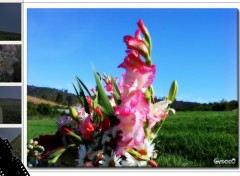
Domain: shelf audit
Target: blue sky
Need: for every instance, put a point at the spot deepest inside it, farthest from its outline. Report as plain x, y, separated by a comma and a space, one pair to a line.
10, 17
196, 47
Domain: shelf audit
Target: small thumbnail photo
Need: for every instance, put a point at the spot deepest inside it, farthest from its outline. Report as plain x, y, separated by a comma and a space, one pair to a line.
10, 63
10, 21
13, 135
10, 105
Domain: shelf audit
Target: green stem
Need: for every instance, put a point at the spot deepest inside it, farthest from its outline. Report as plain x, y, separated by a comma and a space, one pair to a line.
161, 123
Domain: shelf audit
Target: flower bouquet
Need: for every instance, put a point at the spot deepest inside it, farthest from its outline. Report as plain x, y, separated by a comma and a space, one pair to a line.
117, 129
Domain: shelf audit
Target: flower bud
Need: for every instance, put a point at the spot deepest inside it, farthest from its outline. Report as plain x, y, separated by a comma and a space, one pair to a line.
74, 114
142, 27
132, 152
138, 45
173, 91
152, 163
145, 32
149, 94
71, 133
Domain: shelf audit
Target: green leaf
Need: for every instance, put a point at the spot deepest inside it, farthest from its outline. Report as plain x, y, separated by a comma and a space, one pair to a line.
112, 117
83, 97
115, 85
85, 87
53, 158
116, 93
102, 97
68, 158
103, 100
77, 94
95, 119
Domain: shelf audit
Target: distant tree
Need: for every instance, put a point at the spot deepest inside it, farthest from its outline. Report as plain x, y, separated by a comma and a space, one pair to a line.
44, 109
233, 104
221, 106
59, 97
69, 100
157, 99
32, 109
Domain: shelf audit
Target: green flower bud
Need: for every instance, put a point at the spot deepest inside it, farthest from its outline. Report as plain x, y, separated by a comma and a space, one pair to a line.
132, 152
149, 94
74, 114
173, 91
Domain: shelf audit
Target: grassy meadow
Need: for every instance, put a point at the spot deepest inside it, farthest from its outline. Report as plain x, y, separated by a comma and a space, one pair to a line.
35, 128
188, 139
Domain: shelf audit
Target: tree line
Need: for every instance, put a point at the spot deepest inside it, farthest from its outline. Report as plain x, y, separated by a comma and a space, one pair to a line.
222, 105
43, 110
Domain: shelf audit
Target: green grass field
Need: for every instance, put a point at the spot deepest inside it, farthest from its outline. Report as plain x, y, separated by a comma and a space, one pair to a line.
35, 128
188, 139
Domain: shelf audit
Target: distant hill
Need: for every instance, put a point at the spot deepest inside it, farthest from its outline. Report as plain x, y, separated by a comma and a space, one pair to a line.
36, 100
222, 105
60, 97
181, 105
9, 36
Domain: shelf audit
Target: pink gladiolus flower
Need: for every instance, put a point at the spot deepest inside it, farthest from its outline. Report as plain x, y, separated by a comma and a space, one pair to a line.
109, 86
131, 126
98, 111
87, 128
105, 125
138, 75
132, 114
89, 100
158, 111
136, 44
138, 103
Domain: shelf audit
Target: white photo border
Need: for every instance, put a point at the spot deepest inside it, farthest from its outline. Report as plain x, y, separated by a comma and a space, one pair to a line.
116, 172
